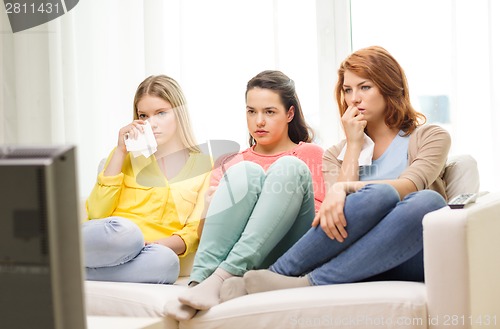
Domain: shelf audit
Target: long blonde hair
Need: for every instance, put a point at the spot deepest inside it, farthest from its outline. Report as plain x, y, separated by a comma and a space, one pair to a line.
169, 90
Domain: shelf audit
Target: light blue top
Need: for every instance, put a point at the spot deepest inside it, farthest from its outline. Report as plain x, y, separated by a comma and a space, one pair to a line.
391, 164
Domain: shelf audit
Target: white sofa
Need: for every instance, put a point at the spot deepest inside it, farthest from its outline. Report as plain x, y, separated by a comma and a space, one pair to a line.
462, 288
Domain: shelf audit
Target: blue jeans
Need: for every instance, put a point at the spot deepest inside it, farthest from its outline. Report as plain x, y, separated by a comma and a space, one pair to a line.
384, 240
255, 216
114, 250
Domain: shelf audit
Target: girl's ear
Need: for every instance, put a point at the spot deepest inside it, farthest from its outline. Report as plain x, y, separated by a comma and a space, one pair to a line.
290, 114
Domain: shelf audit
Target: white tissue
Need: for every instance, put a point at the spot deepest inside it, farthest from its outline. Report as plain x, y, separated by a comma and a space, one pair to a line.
145, 144
366, 155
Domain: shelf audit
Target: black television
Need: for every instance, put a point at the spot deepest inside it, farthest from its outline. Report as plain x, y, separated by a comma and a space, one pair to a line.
41, 272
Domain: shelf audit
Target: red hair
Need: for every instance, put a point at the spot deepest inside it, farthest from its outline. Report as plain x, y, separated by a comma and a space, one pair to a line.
377, 64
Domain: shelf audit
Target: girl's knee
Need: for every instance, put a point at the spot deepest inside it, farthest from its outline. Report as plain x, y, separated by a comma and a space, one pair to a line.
120, 230
245, 168
430, 198
110, 225
289, 166
166, 267
382, 192
378, 199
110, 241
289, 161
244, 176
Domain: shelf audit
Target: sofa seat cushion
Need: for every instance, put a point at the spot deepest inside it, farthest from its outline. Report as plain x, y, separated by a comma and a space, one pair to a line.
361, 305
129, 299
387, 304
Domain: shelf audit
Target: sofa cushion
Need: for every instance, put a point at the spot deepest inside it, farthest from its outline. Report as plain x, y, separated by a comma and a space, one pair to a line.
461, 175
129, 299
360, 305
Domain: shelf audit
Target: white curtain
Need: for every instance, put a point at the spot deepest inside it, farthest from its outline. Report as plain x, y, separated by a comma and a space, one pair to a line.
69, 81
477, 86
72, 80
38, 94
447, 48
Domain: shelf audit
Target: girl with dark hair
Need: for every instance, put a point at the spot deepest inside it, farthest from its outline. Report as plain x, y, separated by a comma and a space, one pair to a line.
369, 226
298, 130
266, 195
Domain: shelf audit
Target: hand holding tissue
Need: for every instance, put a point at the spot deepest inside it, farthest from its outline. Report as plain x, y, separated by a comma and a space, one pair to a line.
145, 144
366, 155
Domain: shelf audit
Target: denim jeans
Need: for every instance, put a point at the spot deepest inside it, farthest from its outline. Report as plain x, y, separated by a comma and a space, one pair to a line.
255, 216
114, 250
384, 240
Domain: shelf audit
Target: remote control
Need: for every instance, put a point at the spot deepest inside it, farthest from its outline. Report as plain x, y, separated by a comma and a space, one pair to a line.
461, 200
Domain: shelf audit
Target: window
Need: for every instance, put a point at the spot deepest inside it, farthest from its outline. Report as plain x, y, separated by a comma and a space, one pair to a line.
449, 51
420, 39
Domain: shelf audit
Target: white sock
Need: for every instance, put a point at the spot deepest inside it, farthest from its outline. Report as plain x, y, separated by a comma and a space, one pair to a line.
265, 280
179, 311
207, 293
232, 288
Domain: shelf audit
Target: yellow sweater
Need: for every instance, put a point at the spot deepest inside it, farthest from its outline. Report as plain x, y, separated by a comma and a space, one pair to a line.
160, 208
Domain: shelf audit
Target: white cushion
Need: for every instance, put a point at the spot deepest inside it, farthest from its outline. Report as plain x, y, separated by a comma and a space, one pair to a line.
366, 305
129, 299
358, 305
461, 175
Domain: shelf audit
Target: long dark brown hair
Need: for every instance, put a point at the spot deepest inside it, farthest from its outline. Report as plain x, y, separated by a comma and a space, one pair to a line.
277, 81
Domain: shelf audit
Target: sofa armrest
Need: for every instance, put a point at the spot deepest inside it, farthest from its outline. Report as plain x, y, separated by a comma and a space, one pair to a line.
462, 264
